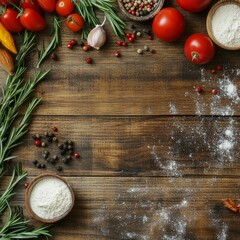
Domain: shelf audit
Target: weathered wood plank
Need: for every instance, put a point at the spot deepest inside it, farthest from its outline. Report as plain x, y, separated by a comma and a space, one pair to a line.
148, 208
143, 146
148, 84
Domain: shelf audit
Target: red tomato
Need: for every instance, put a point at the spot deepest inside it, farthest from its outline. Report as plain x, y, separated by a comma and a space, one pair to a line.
64, 7
11, 21
193, 5
199, 48
168, 25
47, 5
8, 2
31, 4
75, 22
32, 20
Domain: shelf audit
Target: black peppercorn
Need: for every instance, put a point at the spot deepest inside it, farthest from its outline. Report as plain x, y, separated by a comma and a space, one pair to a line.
38, 165
43, 166
65, 147
69, 147
34, 137
71, 152
133, 26
68, 157
51, 135
63, 152
46, 152
65, 160
52, 161
69, 142
60, 146
59, 168
49, 139
66, 142
35, 162
48, 159
46, 134
45, 156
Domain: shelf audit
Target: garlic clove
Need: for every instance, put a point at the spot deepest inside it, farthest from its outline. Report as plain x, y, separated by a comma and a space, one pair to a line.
97, 36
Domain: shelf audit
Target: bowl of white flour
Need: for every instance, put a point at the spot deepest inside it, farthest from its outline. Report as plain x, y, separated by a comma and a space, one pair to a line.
49, 198
223, 24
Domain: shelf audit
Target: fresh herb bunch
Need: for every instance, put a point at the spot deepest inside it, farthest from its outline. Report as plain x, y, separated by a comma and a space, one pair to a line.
86, 8
14, 94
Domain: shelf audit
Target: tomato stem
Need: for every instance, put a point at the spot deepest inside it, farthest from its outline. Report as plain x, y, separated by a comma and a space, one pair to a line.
194, 55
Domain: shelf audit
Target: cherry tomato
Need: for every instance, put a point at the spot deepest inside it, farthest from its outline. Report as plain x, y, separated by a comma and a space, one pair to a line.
193, 5
47, 5
199, 48
8, 2
11, 21
64, 7
31, 4
168, 25
32, 20
75, 22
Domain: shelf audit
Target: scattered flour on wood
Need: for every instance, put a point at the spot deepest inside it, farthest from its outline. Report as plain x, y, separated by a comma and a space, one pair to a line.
172, 108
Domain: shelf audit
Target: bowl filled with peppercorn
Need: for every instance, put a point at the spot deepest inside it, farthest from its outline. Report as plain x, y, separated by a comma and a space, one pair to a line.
140, 10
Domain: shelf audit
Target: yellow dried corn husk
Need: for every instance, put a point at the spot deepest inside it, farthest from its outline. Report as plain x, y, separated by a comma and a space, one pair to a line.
6, 61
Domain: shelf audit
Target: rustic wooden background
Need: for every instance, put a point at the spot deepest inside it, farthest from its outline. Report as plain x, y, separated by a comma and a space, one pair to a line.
151, 166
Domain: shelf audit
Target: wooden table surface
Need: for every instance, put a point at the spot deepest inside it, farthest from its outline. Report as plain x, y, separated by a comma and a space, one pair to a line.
157, 159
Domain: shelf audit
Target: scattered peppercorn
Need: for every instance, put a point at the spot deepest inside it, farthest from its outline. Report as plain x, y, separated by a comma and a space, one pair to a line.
69, 46
35, 162
152, 51
59, 168
117, 54
130, 39
55, 129
34, 137
146, 48
54, 56
26, 184
147, 31
119, 43
214, 91
65, 160
213, 71
219, 67
133, 26
54, 139
55, 157
37, 143
60, 146
139, 34
198, 89
73, 42
76, 155
43, 165
38, 165
52, 161
88, 60
63, 152
139, 51
125, 44
49, 139
150, 37
45, 156
86, 48
68, 157
43, 144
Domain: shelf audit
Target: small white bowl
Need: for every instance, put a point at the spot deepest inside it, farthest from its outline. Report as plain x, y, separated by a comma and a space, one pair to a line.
209, 22
31, 186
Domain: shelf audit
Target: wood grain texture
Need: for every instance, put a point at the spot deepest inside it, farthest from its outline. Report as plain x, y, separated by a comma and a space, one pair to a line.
156, 157
139, 146
148, 208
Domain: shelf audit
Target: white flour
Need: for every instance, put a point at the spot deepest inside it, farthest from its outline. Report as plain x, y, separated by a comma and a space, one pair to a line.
50, 198
226, 25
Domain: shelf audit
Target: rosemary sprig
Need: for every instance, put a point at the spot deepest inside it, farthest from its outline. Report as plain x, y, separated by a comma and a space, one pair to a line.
108, 7
15, 93
55, 42
17, 176
17, 228
86, 8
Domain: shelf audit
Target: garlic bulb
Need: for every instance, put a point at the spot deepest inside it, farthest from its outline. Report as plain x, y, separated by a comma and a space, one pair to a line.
97, 36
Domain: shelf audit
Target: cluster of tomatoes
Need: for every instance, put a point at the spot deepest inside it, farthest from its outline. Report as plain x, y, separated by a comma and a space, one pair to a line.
28, 14
168, 25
